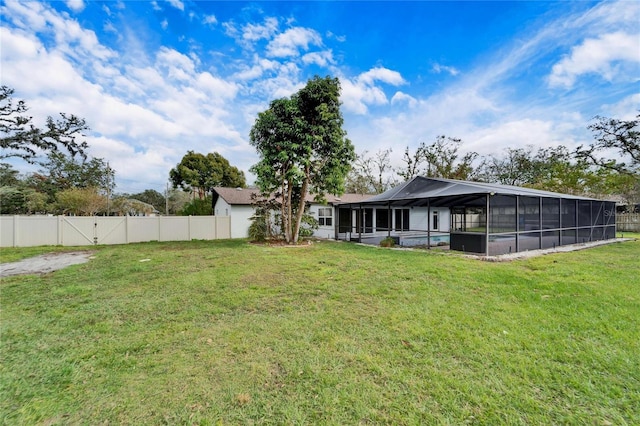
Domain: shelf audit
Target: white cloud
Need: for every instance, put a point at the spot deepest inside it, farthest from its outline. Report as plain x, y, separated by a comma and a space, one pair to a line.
341, 39
495, 139
322, 59
164, 24
383, 75
209, 20
136, 110
178, 4
596, 55
438, 68
362, 91
626, 109
400, 97
255, 32
257, 69
75, 5
290, 42
70, 37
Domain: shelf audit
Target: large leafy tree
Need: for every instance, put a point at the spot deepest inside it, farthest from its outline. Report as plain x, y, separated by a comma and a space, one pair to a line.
303, 149
61, 172
82, 201
21, 138
200, 173
614, 136
152, 197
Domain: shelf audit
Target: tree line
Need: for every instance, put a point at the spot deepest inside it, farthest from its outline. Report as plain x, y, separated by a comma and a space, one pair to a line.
587, 170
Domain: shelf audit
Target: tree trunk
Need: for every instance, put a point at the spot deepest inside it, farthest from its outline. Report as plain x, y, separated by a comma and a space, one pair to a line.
283, 211
289, 212
303, 196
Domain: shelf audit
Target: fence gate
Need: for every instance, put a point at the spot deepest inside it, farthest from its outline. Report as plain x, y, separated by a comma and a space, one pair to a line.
78, 230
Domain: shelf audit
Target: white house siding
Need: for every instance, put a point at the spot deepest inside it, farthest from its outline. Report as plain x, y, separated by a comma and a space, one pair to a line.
240, 217
328, 232
222, 208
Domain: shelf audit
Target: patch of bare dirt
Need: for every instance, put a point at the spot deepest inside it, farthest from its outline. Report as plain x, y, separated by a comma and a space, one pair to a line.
45, 263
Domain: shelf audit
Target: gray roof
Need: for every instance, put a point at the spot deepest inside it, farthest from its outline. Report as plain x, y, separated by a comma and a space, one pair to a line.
235, 196
243, 196
443, 191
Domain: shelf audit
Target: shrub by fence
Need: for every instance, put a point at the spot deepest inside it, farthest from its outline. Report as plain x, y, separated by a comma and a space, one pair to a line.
628, 222
28, 231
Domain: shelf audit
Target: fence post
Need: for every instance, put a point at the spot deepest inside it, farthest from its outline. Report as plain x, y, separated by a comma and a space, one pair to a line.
60, 228
15, 230
189, 228
126, 228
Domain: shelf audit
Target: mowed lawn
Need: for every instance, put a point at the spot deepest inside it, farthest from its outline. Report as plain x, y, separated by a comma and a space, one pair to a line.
227, 332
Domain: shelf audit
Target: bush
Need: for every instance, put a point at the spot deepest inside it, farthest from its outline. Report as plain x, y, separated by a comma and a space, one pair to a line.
307, 225
388, 242
258, 230
198, 207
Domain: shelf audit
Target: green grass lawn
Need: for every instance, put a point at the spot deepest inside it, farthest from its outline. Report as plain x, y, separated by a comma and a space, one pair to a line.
334, 333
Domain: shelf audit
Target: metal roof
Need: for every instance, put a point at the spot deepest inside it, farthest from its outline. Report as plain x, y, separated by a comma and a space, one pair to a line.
449, 191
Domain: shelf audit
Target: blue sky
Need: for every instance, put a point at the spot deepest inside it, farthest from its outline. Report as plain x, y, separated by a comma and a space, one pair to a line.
157, 79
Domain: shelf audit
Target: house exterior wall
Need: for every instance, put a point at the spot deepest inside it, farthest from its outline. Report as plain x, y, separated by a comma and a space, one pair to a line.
222, 208
323, 231
241, 216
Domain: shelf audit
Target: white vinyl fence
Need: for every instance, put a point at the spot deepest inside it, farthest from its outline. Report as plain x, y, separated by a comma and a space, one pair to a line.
28, 231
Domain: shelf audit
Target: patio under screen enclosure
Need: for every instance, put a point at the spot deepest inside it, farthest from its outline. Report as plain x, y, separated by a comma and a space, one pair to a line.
476, 217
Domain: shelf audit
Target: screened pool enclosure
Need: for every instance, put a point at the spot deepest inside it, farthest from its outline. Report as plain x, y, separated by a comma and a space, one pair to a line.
476, 217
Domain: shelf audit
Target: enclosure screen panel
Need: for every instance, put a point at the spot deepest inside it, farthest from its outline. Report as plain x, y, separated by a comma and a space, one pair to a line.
569, 236
584, 213
597, 213
502, 244
344, 220
568, 217
529, 241
550, 239
610, 232
502, 214
550, 213
529, 213
609, 213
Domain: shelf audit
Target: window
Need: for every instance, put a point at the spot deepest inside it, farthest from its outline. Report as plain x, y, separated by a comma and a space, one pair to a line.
325, 216
402, 219
434, 221
382, 219
344, 220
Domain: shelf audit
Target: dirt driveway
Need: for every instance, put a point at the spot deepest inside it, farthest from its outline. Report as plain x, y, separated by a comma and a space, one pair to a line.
44, 263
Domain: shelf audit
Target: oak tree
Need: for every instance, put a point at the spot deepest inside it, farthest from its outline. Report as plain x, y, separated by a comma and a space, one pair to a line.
200, 173
22, 139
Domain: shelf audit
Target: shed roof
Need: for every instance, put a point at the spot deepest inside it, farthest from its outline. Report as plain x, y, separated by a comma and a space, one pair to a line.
244, 196
445, 191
